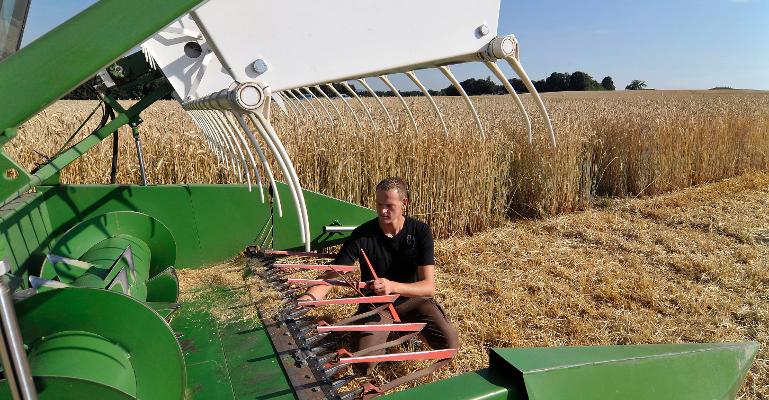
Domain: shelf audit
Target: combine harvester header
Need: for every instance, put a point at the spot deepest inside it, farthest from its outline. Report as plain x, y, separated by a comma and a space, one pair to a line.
89, 296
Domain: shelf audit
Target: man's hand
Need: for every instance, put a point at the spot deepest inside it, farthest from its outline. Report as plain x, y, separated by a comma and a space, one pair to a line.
383, 286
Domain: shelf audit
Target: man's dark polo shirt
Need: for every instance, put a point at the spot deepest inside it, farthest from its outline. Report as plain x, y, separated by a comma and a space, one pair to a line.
395, 258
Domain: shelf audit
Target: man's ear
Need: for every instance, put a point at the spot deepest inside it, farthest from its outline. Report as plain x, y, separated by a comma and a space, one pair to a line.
405, 201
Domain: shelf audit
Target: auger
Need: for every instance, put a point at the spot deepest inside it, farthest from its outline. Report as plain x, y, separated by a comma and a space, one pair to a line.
89, 295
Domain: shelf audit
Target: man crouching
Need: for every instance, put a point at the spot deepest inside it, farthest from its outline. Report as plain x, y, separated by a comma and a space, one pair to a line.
401, 252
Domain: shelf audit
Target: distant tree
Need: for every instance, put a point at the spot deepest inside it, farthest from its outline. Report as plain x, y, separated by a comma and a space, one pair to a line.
608, 83
474, 87
557, 82
518, 85
580, 81
636, 85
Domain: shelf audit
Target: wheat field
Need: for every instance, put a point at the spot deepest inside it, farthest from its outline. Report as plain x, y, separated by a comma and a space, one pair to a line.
609, 144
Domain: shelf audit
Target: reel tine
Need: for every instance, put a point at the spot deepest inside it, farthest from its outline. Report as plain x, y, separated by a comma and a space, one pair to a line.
315, 110
313, 96
354, 94
318, 88
299, 102
501, 76
291, 105
219, 120
207, 114
262, 159
389, 84
426, 92
227, 155
209, 142
346, 103
278, 101
211, 138
291, 176
268, 140
373, 93
239, 134
518, 68
447, 72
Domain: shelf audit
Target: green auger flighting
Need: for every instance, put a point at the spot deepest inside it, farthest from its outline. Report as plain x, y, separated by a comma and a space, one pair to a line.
90, 302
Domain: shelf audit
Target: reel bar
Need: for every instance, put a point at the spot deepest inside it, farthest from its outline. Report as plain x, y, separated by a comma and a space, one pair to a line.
363, 82
413, 356
224, 161
320, 267
317, 88
405, 327
213, 147
298, 253
227, 120
492, 65
426, 92
313, 96
240, 143
518, 68
350, 300
327, 282
226, 145
262, 158
354, 94
292, 175
217, 123
447, 72
291, 104
304, 97
346, 103
292, 95
395, 91
278, 156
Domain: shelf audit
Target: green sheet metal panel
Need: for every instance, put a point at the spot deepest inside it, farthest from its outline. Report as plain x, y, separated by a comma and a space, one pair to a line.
484, 384
227, 359
210, 223
668, 371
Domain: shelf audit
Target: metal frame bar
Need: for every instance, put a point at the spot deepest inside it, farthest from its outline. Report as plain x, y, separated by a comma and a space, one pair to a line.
292, 176
413, 356
362, 104
494, 68
299, 253
244, 126
346, 103
317, 114
373, 93
392, 87
350, 300
447, 72
405, 327
518, 68
313, 96
317, 87
325, 282
320, 267
426, 92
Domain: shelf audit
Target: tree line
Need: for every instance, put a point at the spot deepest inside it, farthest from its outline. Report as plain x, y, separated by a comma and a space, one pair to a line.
557, 82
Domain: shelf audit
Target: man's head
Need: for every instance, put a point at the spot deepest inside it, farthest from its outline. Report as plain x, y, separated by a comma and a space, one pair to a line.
392, 197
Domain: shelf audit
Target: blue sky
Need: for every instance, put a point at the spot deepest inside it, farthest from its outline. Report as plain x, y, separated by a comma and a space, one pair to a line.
671, 44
